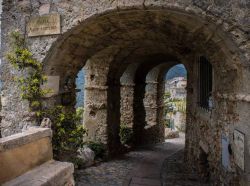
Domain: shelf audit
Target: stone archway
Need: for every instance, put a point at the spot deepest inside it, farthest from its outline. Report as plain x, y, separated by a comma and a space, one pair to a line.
109, 39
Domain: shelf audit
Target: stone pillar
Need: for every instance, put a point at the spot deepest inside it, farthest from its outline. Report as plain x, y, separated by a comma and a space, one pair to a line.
191, 124
161, 108
127, 99
113, 123
153, 103
150, 103
127, 95
148, 108
139, 113
95, 114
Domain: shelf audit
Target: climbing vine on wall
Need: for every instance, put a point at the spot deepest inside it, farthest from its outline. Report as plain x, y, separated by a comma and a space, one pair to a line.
22, 60
67, 130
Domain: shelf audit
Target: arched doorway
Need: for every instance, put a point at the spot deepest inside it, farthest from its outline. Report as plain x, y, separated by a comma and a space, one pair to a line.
109, 41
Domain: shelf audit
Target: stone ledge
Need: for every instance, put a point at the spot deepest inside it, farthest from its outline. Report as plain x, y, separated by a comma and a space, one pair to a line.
96, 87
17, 140
127, 85
51, 173
233, 97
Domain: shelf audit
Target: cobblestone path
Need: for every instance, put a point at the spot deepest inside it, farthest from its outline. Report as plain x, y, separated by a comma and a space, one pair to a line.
146, 166
111, 173
175, 173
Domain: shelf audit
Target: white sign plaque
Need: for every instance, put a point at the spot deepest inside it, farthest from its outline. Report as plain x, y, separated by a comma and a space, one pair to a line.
239, 142
44, 25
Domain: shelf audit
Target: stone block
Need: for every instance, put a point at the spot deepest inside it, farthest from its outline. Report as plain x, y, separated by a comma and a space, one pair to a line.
22, 152
51, 173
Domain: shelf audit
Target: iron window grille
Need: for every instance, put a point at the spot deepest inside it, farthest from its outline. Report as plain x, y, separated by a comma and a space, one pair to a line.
205, 78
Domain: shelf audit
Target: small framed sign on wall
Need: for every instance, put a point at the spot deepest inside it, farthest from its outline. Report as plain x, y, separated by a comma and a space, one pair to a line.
44, 25
239, 151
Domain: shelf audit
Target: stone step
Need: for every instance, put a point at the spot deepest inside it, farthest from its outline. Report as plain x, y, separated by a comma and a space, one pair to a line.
51, 173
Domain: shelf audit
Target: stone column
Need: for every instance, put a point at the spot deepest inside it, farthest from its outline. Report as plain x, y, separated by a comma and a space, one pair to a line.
127, 95
95, 114
161, 108
150, 103
127, 99
153, 103
139, 113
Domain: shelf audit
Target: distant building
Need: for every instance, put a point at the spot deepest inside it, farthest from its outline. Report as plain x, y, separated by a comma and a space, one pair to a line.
176, 87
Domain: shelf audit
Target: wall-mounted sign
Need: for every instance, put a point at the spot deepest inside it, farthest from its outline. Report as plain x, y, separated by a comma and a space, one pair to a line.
44, 25
239, 142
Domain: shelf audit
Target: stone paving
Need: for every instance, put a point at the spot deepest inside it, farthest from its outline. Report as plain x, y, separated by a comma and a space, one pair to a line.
111, 173
148, 166
175, 173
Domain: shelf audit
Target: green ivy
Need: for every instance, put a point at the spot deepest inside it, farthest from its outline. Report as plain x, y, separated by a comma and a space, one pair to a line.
126, 134
67, 128
98, 148
22, 60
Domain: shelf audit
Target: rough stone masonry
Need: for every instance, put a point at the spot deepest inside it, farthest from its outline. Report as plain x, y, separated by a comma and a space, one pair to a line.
121, 38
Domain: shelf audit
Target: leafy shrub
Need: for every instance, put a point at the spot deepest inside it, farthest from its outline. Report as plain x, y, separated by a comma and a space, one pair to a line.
126, 134
66, 125
67, 130
98, 148
167, 123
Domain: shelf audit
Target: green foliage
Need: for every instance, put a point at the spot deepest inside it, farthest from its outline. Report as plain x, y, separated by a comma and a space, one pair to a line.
67, 127
78, 162
167, 95
174, 105
79, 113
167, 123
98, 148
68, 130
22, 59
126, 134
180, 105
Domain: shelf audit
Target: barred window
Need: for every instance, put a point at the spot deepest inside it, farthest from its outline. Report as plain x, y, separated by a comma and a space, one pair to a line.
205, 72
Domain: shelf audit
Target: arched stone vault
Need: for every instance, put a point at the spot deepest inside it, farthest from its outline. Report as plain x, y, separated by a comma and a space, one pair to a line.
149, 38
172, 29
106, 37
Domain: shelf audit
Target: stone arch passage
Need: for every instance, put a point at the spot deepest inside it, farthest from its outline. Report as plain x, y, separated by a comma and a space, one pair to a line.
185, 40
154, 102
108, 41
